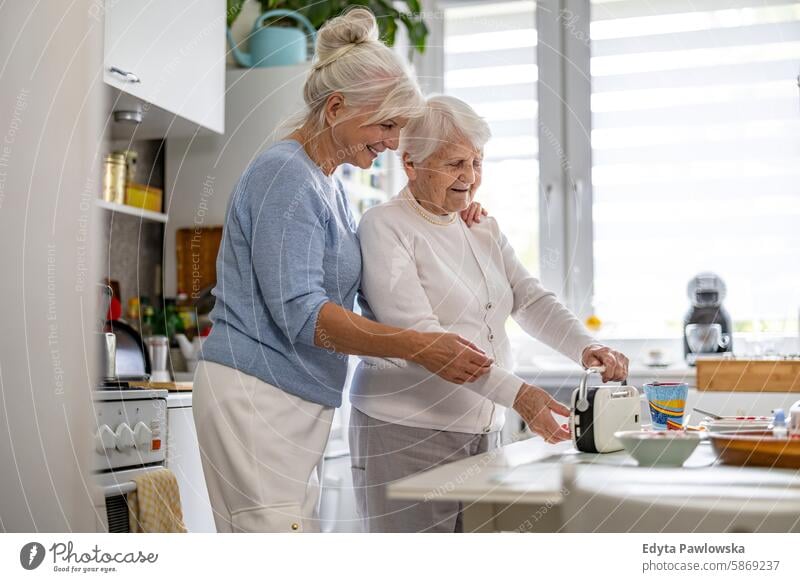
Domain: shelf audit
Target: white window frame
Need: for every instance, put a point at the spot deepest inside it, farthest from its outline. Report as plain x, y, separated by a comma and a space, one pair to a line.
565, 156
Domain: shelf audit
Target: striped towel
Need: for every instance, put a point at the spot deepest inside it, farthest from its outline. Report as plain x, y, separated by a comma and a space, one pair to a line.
155, 506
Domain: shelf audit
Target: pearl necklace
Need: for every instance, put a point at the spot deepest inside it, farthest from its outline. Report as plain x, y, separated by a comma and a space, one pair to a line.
427, 215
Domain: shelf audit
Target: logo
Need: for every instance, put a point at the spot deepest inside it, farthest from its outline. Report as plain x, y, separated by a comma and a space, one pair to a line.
31, 555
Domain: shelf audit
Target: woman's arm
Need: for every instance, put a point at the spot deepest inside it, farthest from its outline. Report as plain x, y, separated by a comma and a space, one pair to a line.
542, 316
391, 285
445, 354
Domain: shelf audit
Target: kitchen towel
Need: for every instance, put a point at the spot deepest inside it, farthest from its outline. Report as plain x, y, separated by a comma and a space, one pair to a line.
155, 505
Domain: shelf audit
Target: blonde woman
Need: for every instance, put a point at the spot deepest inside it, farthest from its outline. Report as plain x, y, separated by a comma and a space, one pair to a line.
422, 269
288, 269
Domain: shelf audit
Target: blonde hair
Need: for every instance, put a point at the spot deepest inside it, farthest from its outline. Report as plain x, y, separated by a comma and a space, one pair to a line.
351, 60
446, 119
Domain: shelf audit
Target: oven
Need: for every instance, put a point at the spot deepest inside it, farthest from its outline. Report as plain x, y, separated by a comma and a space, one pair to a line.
129, 440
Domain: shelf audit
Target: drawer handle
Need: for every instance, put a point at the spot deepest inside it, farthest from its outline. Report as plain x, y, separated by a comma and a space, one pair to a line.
127, 75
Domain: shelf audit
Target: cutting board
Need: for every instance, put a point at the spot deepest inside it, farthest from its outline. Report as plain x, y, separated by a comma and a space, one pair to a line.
171, 386
765, 375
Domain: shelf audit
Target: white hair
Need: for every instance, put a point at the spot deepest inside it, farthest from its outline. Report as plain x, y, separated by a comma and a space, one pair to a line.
351, 60
446, 119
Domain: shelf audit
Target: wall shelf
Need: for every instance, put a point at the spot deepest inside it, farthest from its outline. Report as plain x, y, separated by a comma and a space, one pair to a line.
133, 211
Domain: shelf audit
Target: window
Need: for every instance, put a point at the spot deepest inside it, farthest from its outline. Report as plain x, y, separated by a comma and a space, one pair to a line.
695, 160
490, 62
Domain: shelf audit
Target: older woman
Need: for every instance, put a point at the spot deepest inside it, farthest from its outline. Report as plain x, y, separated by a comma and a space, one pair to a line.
423, 270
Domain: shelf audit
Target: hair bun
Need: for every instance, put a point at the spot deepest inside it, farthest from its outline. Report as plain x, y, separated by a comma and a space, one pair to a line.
354, 26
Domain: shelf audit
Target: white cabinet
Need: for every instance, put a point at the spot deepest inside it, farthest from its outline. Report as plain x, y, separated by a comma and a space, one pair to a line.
183, 459
170, 57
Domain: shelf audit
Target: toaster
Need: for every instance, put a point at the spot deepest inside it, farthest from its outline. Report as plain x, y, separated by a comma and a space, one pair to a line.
600, 411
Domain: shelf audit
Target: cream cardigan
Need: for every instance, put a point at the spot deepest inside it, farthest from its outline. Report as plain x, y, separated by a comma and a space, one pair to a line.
433, 273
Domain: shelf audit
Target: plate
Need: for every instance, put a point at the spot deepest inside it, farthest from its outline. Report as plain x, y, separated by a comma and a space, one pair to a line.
757, 449
733, 423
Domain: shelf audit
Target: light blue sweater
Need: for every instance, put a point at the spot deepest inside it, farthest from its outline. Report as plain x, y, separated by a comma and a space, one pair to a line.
289, 246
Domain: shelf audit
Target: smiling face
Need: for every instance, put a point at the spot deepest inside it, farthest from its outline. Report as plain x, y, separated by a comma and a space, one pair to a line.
447, 180
355, 140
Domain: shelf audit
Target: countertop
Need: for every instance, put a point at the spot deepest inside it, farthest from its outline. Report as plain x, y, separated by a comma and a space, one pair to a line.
533, 472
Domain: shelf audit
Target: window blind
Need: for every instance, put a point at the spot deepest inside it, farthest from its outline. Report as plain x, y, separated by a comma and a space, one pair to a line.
696, 160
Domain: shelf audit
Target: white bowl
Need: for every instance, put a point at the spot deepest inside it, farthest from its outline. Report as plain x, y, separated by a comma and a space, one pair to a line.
668, 448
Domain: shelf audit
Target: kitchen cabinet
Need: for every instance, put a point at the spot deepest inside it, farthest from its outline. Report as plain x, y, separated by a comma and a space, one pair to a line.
183, 459
166, 60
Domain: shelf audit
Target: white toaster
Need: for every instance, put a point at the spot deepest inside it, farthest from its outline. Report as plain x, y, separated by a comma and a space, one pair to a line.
600, 411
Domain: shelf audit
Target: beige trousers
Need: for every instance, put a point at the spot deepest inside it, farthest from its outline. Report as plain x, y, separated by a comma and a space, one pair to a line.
261, 450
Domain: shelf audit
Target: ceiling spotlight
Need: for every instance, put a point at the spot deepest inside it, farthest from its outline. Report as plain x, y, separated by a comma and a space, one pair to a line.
128, 116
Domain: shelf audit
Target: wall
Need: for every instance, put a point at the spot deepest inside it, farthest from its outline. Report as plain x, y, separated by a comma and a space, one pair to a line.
50, 152
202, 171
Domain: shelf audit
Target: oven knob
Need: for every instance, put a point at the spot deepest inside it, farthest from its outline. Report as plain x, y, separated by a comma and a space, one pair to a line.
104, 439
142, 435
125, 439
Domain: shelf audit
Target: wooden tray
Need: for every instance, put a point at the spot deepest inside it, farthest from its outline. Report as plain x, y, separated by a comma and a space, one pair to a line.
756, 449
727, 375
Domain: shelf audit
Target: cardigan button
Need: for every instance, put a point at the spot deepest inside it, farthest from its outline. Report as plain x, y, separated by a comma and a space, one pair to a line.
489, 305
491, 336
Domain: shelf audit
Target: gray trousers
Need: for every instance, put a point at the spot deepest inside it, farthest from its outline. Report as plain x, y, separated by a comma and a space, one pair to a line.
383, 452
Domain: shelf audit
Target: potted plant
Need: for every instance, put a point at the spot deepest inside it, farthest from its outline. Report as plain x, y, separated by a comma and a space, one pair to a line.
277, 38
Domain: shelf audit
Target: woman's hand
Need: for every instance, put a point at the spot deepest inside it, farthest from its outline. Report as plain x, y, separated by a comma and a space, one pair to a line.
473, 213
451, 357
615, 363
536, 407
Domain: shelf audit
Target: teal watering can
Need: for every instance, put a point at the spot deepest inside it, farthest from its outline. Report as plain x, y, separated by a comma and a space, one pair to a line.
274, 46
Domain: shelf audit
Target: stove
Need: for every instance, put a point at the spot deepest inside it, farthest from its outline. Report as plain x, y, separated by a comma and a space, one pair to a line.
129, 439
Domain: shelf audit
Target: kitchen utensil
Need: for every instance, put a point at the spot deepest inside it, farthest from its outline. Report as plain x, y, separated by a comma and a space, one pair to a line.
600, 411
190, 350
710, 414
706, 292
171, 386
757, 448
794, 419
705, 338
667, 401
659, 448
131, 361
109, 356
275, 45
114, 178
158, 348
735, 424
107, 341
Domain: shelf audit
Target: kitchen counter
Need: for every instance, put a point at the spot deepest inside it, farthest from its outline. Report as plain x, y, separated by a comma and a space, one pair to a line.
532, 486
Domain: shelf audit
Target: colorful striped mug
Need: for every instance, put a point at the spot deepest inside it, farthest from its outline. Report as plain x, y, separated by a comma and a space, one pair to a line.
667, 401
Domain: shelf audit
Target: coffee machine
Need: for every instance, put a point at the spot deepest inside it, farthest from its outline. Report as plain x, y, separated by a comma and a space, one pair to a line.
707, 326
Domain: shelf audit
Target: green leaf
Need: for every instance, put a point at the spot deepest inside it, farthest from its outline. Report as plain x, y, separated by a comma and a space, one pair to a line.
318, 12
233, 11
414, 6
417, 31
